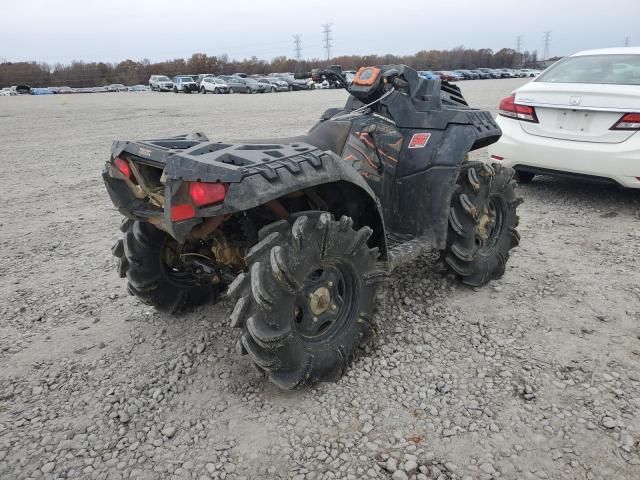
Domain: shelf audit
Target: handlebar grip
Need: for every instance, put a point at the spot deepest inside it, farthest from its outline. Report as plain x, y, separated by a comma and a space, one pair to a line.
301, 76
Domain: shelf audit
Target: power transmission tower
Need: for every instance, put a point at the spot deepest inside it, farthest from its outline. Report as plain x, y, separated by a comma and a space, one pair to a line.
518, 43
297, 42
326, 41
547, 42
626, 41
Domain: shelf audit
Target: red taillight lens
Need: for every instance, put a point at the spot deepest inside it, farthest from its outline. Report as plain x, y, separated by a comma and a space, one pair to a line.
123, 166
182, 212
629, 121
509, 108
207, 193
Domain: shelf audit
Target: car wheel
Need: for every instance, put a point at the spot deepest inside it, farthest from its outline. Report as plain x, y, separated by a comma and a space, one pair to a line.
291, 88
175, 90
274, 89
216, 90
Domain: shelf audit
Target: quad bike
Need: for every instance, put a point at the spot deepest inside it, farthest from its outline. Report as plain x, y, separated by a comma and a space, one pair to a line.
301, 230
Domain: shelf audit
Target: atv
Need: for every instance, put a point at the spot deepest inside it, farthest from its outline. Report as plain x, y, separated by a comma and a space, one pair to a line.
302, 230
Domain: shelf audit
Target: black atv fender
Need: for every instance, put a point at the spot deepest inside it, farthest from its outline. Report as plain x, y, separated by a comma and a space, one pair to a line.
267, 182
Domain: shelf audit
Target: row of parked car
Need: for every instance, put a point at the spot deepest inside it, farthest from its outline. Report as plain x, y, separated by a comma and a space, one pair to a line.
27, 90
479, 74
237, 83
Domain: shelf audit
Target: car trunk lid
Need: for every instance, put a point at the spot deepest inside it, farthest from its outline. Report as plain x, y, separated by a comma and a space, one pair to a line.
579, 112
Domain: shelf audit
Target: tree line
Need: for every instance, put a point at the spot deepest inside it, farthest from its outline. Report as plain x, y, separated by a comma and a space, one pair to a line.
131, 72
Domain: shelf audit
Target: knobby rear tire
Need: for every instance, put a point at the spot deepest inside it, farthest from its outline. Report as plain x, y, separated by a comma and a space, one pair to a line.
140, 259
280, 273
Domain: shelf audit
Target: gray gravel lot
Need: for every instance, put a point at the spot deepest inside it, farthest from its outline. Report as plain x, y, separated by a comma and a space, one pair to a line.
534, 376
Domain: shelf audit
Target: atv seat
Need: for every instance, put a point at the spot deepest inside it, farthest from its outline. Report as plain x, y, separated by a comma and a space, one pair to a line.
327, 135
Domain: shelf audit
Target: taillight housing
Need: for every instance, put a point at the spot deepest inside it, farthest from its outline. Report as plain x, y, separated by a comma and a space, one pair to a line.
203, 194
509, 108
194, 195
629, 121
123, 167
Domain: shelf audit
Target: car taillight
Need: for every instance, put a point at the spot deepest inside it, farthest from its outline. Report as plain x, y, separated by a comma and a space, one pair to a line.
123, 166
202, 193
629, 121
509, 108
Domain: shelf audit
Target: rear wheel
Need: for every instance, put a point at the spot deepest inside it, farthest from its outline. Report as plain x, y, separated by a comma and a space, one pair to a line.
482, 223
143, 254
524, 177
175, 90
203, 90
306, 303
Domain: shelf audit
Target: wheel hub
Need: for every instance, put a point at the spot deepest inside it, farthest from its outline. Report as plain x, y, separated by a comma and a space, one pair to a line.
319, 300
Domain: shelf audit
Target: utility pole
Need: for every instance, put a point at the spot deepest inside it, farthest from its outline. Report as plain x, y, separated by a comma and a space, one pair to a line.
326, 41
297, 42
626, 41
547, 42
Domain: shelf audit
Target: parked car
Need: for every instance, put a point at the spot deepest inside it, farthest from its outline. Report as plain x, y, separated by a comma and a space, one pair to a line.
492, 72
117, 87
160, 83
7, 92
294, 84
481, 75
466, 74
202, 76
428, 74
185, 84
448, 76
67, 90
258, 87
277, 85
213, 85
138, 88
580, 117
506, 73
41, 91
527, 72
239, 85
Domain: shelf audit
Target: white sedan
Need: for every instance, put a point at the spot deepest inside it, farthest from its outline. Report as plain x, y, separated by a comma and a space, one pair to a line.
579, 118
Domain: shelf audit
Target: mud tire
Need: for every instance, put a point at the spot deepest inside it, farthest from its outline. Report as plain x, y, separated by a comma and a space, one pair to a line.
139, 255
478, 247
292, 258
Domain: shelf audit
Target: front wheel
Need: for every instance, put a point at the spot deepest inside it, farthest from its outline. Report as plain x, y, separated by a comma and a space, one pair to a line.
146, 257
306, 303
203, 90
482, 223
175, 90
231, 90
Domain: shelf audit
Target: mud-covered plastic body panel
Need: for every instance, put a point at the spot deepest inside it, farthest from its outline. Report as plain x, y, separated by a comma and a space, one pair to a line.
255, 174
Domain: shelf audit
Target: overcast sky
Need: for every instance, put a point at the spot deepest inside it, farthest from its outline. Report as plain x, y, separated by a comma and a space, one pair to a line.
114, 30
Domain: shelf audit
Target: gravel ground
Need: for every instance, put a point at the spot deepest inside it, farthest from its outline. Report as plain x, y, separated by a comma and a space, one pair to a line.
534, 376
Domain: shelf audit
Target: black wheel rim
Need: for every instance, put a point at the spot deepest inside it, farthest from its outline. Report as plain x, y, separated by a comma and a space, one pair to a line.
327, 302
491, 224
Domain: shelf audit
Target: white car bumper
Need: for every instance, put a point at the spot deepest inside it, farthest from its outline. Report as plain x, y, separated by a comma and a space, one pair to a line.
619, 162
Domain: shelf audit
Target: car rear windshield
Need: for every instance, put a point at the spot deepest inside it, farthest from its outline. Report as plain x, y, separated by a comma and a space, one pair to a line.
605, 69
